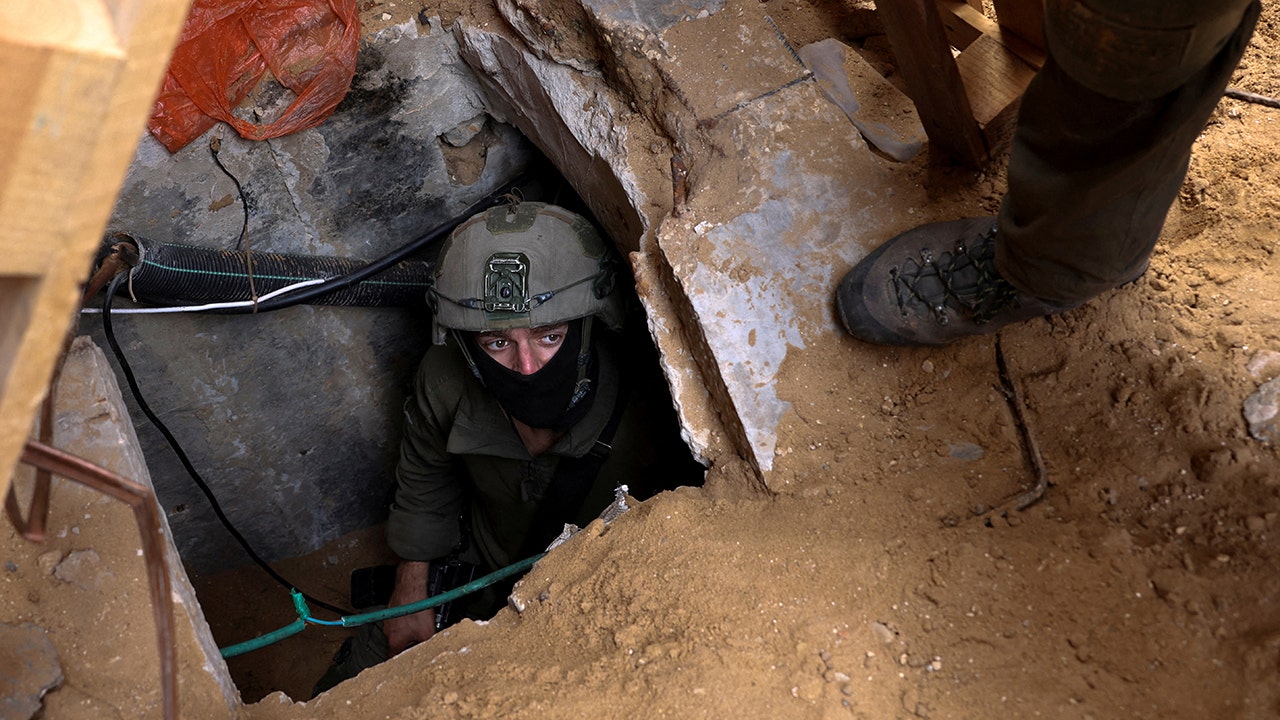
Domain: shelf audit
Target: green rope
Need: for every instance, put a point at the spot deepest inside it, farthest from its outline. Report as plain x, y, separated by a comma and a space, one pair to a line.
304, 614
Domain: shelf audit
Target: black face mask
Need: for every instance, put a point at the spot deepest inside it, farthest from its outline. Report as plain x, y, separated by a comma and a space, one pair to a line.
541, 400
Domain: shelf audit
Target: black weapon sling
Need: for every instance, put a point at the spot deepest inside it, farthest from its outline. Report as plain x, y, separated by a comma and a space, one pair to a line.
570, 485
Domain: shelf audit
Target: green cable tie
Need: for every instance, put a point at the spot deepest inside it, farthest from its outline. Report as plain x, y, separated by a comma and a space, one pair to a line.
293, 628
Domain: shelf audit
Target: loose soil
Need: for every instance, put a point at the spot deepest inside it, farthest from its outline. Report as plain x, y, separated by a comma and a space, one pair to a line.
889, 580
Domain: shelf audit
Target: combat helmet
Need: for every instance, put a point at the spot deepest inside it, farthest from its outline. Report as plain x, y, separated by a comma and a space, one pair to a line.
522, 264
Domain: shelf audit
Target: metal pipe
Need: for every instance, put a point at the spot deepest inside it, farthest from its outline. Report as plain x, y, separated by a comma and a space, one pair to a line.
145, 511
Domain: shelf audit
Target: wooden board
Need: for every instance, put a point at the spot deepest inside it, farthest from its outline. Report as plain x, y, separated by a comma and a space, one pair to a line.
923, 53
79, 78
957, 98
994, 76
964, 24
1024, 18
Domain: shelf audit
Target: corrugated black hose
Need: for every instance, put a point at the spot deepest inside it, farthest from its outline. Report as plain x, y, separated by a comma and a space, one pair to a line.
349, 282
171, 274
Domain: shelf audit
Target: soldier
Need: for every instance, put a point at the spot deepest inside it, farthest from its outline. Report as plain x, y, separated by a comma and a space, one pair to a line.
529, 413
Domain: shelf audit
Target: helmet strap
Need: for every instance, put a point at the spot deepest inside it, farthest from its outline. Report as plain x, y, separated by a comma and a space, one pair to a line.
583, 385
466, 353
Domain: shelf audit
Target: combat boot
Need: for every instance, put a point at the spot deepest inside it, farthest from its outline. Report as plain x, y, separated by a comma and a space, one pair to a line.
933, 285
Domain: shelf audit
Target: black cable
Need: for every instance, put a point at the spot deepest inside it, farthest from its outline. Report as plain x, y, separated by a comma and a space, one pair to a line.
215, 145
277, 303
182, 456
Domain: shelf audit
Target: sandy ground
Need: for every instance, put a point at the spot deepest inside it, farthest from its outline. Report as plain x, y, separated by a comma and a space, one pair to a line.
888, 582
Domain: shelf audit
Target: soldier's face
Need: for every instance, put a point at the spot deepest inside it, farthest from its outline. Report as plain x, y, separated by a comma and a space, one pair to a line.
524, 350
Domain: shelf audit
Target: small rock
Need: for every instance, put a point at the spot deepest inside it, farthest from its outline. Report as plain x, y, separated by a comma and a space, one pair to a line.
82, 568
966, 451
29, 670
1256, 524
1262, 362
49, 560
882, 632
1261, 410
927, 366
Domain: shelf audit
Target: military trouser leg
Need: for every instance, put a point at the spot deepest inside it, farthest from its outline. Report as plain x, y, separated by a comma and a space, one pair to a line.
1104, 137
369, 647
366, 648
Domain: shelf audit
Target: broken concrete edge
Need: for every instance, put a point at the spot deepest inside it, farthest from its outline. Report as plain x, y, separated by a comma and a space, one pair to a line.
114, 445
618, 43
744, 224
576, 122
716, 437
595, 152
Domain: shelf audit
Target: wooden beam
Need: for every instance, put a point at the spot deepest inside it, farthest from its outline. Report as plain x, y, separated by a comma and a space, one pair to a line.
924, 58
963, 23
994, 76
79, 78
1024, 18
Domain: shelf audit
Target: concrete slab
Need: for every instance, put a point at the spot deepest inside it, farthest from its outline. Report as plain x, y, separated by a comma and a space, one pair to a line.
86, 583
759, 259
773, 196
294, 417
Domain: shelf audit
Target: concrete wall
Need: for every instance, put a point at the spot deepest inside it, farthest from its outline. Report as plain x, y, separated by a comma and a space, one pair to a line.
293, 416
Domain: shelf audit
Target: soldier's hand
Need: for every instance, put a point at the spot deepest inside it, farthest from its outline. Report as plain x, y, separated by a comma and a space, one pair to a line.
409, 630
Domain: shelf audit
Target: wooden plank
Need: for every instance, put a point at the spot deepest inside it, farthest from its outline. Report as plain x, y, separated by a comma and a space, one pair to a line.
963, 23
994, 76
79, 77
1024, 18
924, 59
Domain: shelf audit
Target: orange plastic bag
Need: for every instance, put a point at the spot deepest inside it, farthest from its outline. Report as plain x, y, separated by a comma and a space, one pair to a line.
227, 45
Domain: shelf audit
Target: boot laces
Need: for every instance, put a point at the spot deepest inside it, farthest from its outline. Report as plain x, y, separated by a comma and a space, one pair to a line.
964, 280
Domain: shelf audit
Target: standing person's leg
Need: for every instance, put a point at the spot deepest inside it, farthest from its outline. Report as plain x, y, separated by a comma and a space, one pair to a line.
1104, 138
1091, 177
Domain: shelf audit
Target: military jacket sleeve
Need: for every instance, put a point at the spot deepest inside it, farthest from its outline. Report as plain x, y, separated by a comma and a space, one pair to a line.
430, 492
460, 456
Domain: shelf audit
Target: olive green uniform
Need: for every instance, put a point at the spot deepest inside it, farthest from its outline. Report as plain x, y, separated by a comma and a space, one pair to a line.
461, 459
463, 465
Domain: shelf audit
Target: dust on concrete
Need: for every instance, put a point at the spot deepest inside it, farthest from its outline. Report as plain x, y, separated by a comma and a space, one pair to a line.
879, 584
